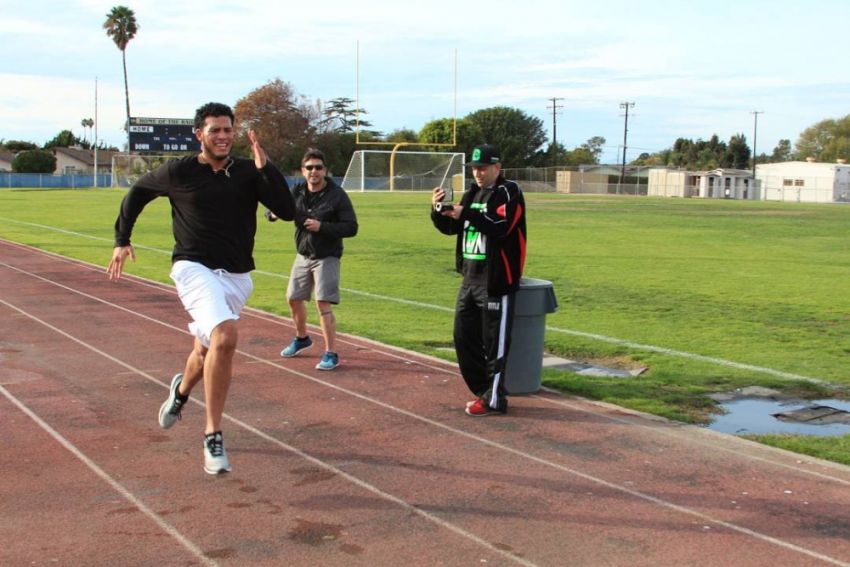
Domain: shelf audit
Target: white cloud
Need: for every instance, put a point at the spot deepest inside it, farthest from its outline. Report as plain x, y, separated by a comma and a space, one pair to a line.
693, 69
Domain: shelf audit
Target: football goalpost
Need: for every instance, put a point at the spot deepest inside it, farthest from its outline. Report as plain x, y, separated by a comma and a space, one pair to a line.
384, 170
397, 170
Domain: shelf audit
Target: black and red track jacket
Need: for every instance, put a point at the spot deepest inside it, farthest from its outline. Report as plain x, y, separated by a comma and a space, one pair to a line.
503, 223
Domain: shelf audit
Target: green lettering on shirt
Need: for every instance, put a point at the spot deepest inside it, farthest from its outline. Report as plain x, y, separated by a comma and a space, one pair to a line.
474, 243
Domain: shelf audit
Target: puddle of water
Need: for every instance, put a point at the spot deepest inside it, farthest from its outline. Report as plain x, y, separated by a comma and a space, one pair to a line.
748, 416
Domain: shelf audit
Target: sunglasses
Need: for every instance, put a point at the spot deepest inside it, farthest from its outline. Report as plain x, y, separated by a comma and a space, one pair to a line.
316, 167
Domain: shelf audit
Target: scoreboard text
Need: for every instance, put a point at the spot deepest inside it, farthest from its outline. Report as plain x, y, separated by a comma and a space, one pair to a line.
162, 135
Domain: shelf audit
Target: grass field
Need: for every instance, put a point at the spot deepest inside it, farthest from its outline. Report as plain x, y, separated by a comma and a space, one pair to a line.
744, 293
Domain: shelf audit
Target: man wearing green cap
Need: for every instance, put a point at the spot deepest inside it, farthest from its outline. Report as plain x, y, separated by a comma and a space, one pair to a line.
489, 223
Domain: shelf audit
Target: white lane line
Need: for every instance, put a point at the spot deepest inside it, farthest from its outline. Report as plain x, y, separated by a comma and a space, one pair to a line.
117, 486
590, 478
689, 355
406, 357
593, 336
351, 478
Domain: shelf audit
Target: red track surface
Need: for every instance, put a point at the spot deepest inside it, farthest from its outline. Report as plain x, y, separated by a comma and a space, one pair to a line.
374, 463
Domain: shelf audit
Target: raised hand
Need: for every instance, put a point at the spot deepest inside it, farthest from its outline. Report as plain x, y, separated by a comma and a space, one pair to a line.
260, 156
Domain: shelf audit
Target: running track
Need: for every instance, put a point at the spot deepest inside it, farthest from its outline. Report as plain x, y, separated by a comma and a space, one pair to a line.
372, 464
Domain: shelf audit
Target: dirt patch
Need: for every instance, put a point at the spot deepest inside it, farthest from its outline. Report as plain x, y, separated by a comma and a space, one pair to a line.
623, 362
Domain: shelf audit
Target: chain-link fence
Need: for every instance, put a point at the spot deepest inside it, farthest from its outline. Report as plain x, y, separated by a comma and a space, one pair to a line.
48, 180
590, 179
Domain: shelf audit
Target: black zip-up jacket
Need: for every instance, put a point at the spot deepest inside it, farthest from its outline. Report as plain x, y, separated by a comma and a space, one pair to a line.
330, 206
214, 214
503, 223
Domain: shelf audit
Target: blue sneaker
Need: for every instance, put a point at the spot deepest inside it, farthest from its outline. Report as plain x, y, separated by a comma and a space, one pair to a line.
330, 360
296, 346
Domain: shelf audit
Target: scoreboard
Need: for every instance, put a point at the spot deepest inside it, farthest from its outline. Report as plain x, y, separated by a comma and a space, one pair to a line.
163, 135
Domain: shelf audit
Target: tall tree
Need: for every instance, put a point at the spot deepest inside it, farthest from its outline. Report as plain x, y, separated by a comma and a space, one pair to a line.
87, 124
782, 151
464, 133
281, 120
518, 135
594, 146
64, 139
121, 26
737, 153
828, 140
578, 156
341, 116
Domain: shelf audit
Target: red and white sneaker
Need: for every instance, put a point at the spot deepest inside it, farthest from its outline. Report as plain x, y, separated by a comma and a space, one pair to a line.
480, 408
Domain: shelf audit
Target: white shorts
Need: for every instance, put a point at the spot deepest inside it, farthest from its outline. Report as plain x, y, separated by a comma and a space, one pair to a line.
210, 296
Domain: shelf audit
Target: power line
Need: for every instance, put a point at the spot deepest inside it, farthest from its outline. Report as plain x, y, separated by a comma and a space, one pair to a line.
555, 106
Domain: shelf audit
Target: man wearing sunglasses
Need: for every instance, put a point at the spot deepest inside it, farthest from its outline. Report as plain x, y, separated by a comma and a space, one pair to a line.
324, 216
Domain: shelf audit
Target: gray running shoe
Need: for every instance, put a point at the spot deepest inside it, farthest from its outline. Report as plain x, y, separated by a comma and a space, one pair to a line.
169, 412
215, 457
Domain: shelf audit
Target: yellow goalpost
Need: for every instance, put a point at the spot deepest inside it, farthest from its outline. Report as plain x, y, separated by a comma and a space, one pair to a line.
397, 145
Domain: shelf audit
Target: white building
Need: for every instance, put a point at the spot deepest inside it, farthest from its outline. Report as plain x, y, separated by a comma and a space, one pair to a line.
714, 184
805, 181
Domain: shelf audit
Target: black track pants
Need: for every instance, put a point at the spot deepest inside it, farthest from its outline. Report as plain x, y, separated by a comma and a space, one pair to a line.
482, 336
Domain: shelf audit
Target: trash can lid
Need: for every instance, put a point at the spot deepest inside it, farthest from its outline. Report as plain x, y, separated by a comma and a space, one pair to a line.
533, 283
535, 297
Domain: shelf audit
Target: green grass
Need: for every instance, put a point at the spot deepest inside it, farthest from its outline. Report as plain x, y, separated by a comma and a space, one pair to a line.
763, 284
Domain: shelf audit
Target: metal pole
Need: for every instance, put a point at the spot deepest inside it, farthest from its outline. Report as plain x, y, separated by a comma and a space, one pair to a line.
755, 114
555, 108
625, 105
95, 133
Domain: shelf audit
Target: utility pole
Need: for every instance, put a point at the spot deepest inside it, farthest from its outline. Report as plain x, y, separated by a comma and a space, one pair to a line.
95, 132
555, 106
755, 114
625, 105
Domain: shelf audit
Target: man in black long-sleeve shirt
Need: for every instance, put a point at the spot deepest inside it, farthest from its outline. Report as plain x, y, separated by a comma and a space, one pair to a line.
214, 200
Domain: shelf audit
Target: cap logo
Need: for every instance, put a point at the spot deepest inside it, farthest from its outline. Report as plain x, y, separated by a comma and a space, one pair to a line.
476, 154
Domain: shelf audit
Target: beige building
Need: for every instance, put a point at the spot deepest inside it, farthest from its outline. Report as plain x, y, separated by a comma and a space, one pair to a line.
805, 181
671, 183
71, 161
6, 158
581, 182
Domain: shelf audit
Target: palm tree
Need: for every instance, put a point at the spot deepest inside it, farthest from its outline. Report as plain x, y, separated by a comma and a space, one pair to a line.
88, 123
85, 124
121, 26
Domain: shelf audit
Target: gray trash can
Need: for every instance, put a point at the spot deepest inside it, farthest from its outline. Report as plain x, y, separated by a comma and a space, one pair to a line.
534, 299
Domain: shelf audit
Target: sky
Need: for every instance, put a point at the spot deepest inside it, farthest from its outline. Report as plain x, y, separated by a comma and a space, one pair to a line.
692, 68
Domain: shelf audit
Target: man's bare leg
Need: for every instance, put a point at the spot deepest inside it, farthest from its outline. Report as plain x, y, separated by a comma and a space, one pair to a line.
328, 323
298, 310
218, 371
194, 371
